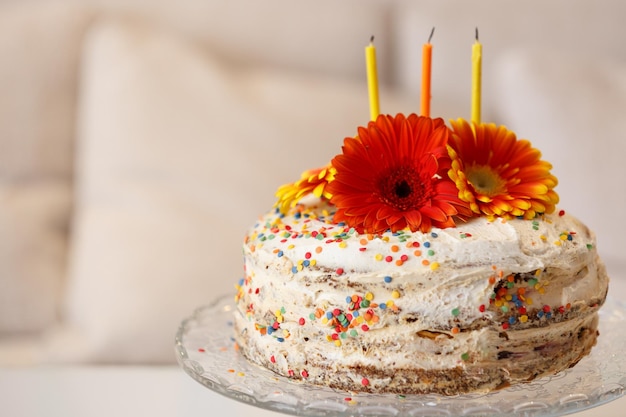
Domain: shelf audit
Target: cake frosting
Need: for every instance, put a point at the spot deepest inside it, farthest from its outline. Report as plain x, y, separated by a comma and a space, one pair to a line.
487, 297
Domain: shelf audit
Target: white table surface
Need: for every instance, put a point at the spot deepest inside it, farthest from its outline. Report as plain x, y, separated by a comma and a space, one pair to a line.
136, 391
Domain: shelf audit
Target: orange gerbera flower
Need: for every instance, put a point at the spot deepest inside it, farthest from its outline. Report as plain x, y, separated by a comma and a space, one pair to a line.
499, 175
311, 181
393, 176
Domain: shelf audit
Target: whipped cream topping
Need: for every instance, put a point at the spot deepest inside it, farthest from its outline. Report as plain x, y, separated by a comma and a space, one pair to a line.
446, 267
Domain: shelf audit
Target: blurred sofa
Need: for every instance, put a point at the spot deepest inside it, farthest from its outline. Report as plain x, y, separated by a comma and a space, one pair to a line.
140, 139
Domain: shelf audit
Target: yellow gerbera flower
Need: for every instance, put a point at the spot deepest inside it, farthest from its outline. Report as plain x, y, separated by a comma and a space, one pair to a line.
313, 181
497, 174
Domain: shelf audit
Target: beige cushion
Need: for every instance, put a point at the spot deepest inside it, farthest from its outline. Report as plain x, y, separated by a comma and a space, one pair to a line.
33, 250
39, 45
179, 153
324, 37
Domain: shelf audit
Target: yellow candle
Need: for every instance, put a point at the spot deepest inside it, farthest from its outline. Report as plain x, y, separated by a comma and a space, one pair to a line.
427, 53
372, 79
477, 51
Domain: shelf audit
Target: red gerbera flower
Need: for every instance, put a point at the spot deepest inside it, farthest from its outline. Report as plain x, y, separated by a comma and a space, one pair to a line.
499, 175
393, 175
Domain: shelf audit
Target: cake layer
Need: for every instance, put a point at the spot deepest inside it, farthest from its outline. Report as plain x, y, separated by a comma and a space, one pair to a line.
412, 363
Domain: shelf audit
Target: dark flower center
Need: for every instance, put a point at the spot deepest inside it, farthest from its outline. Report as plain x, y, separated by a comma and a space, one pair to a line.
403, 189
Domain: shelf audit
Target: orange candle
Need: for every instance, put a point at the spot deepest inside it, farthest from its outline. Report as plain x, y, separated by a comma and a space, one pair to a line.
477, 55
427, 53
372, 79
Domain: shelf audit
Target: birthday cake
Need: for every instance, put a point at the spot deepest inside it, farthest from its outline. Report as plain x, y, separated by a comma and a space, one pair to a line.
424, 258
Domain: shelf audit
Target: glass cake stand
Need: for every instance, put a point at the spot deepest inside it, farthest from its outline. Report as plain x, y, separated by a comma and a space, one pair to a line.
205, 350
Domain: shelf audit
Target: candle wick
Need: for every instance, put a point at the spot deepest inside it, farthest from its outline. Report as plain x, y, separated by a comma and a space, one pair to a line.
372, 39
477, 34
432, 32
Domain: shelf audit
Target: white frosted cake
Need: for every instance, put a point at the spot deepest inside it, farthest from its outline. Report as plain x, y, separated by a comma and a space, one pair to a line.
413, 263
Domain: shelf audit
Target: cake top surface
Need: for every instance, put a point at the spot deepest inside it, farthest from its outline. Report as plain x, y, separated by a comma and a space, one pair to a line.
307, 236
306, 246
